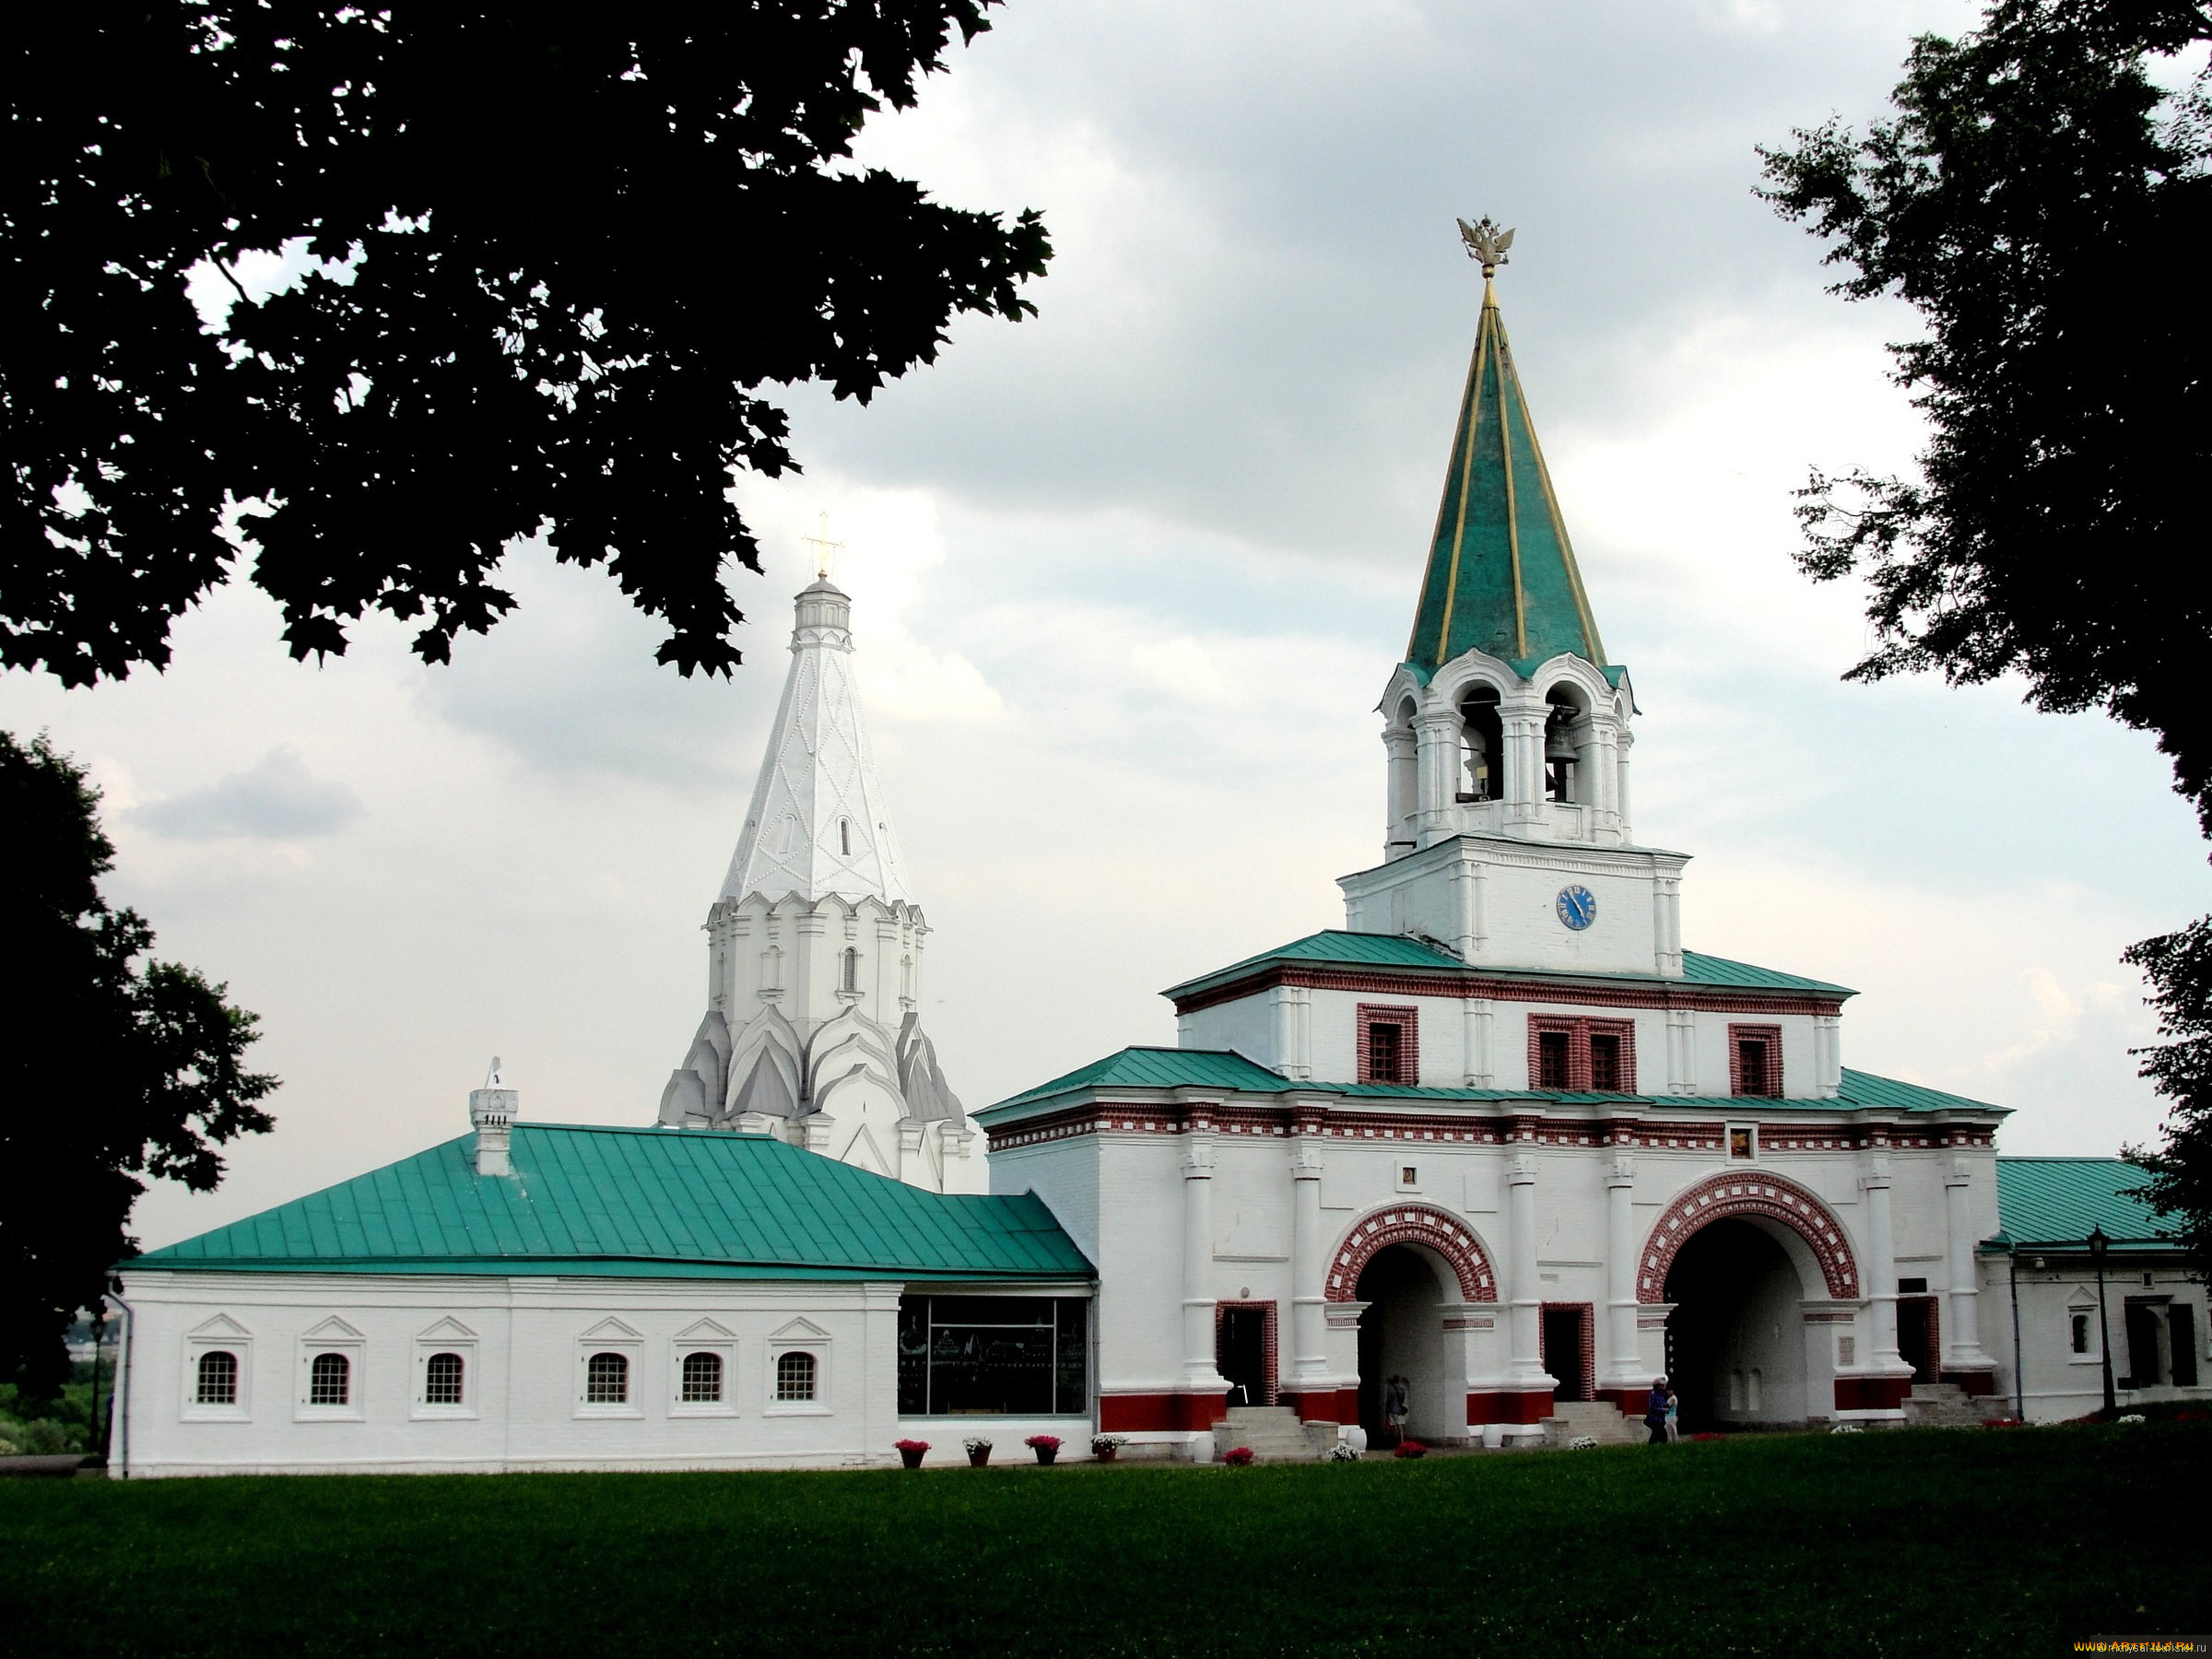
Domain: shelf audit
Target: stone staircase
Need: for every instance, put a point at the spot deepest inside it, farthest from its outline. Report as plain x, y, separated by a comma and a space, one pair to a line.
1274, 1434
1941, 1405
1600, 1419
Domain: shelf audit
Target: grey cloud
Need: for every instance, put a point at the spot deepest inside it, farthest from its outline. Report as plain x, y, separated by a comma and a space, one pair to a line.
276, 799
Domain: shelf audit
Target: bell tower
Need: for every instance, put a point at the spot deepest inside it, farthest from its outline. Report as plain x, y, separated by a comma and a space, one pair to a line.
1506, 833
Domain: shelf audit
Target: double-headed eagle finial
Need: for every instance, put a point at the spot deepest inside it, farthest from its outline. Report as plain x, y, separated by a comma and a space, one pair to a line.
1486, 243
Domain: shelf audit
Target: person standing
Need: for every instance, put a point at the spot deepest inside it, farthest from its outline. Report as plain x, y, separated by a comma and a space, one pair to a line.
1674, 1414
1395, 1398
1654, 1411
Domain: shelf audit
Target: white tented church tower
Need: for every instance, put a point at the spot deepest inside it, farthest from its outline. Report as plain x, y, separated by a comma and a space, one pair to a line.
814, 949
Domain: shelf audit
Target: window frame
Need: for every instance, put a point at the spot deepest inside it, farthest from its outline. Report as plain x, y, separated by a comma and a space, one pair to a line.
1777, 1071
1578, 1029
706, 1336
800, 1337
220, 1335
610, 1337
2094, 1353
1749, 1131
331, 1335
449, 1336
1407, 1019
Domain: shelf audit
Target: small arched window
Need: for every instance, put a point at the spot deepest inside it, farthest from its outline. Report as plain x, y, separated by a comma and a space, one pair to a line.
1563, 732
442, 1380
330, 1381
702, 1379
1483, 758
849, 972
606, 1380
217, 1380
844, 837
795, 1377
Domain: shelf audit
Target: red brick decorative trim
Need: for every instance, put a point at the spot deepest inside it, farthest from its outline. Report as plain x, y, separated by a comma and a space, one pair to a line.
1512, 1122
1771, 1037
1158, 1413
1371, 981
1409, 1021
1324, 1405
1508, 1406
1578, 1032
1268, 1349
1586, 1339
1741, 1194
1871, 1394
1411, 1224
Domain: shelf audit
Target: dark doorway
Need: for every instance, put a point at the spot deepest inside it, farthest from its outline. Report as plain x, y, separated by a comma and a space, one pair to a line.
1240, 1355
2143, 1368
1731, 1284
1919, 1343
1563, 1329
2180, 1324
1401, 1334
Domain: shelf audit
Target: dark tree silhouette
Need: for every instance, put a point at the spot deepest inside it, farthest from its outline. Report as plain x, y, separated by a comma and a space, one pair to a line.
567, 244
2045, 207
108, 1069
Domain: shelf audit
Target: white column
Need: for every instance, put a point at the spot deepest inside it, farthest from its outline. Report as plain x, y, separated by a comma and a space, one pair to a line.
1285, 1022
1438, 733
1527, 1356
1624, 1362
1480, 1019
1667, 927
1827, 1055
1309, 1330
1621, 783
1466, 894
1524, 766
1681, 1051
1962, 1343
1880, 1284
1400, 790
1198, 1374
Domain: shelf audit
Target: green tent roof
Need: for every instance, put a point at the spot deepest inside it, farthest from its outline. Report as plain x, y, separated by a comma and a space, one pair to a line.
1232, 1073
638, 1202
1395, 950
1502, 576
2060, 1200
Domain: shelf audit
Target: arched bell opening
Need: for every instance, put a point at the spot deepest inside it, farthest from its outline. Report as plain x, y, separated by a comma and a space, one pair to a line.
1566, 736
1482, 747
1737, 1351
1402, 1335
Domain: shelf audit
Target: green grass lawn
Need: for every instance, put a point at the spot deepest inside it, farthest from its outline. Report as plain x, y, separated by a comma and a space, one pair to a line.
1929, 1542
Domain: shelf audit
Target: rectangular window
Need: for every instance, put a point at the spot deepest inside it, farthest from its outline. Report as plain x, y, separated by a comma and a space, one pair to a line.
1389, 1042
1604, 1061
2081, 1333
2181, 1323
1554, 1055
1743, 1141
1754, 1061
994, 1355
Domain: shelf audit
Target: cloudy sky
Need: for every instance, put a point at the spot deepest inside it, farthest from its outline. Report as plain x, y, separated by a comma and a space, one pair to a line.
1129, 577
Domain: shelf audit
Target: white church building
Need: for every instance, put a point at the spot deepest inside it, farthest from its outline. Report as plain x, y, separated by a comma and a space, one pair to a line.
1502, 1136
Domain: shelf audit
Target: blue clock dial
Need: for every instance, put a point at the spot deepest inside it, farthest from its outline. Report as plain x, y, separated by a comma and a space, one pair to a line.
1577, 907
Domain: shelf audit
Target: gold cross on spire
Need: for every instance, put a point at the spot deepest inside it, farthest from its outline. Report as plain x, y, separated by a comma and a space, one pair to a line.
1485, 243
825, 551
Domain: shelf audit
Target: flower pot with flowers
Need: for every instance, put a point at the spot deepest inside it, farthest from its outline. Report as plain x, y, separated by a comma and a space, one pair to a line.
1411, 1448
1238, 1457
1046, 1446
910, 1452
1103, 1446
979, 1451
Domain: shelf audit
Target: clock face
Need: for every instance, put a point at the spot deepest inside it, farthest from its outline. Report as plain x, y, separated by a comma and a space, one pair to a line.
1577, 907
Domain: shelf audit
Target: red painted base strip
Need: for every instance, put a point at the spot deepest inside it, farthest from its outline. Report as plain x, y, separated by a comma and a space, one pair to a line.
1871, 1394
1509, 1408
1154, 1413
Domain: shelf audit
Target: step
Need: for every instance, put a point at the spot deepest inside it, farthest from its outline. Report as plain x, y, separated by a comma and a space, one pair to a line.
1273, 1434
1600, 1419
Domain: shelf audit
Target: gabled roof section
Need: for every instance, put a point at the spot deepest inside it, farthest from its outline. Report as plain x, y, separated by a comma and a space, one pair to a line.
2060, 1200
1502, 576
638, 1202
1228, 1073
1337, 948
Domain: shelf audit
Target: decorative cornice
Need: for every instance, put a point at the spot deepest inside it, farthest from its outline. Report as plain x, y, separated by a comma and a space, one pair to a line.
1474, 984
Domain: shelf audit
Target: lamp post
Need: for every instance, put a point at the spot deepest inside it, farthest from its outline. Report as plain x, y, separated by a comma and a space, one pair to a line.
2099, 1244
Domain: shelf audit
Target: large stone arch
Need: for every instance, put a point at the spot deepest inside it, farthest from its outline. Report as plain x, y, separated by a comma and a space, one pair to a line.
1763, 1195
1411, 1224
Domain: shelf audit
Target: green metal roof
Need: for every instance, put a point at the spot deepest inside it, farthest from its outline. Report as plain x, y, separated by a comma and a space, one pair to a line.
2059, 1200
1232, 1073
1336, 946
638, 1202
1502, 576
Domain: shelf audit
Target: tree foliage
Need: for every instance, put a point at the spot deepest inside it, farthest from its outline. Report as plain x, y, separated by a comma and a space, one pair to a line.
562, 247
2043, 206
110, 1068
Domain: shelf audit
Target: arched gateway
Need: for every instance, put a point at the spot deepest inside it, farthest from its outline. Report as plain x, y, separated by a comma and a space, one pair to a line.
1737, 1258
1412, 1224
1402, 1263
